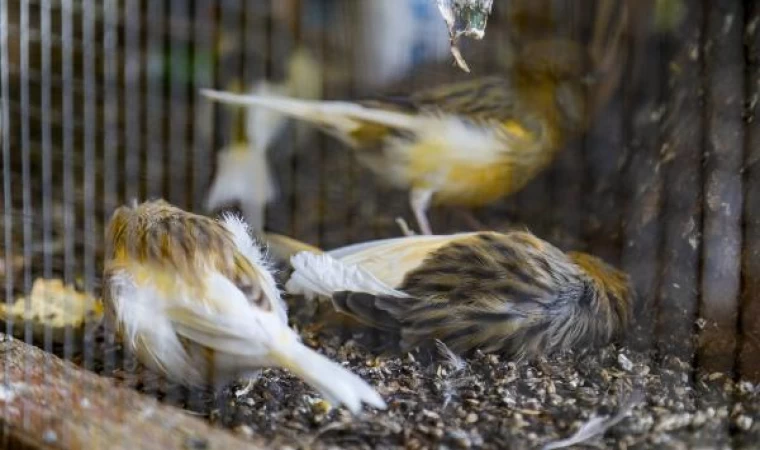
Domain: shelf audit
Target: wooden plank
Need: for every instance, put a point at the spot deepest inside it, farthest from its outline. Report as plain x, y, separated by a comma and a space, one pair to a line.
50, 403
682, 168
641, 188
722, 208
721, 252
749, 362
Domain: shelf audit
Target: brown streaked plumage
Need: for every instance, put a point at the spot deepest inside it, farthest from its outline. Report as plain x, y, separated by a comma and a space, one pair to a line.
157, 236
509, 292
194, 300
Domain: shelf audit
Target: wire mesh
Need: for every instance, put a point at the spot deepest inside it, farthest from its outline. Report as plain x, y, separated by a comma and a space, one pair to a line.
100, 104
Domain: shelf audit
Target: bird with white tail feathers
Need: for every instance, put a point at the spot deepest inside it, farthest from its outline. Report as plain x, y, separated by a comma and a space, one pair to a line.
508, 292
194, 300
243, 176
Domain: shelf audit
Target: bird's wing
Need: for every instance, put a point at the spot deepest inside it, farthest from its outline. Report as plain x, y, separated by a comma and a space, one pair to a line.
323, 275
145, 329
488, 101
480, 98
233, 327
254, 279
389, 260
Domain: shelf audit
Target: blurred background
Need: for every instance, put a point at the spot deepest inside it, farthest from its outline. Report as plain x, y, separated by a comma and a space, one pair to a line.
100, 104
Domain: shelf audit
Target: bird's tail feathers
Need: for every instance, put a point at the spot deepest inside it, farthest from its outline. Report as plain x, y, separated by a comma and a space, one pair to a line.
336, 384
343, 118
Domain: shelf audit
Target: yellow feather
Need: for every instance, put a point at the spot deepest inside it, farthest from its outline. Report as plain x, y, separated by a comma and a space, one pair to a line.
458, 180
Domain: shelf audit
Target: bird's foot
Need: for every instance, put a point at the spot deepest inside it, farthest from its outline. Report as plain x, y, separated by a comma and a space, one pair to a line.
405, 229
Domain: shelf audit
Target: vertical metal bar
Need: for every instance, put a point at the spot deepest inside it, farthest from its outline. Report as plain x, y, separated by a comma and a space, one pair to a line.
203, 122
156, 74
337, 160
568, 171
47, 181
110, 105
180, 71
604, 141
277, 52
110, 113
155, 102
69, 220
5, 144
69, 224
132, 99
307, 174
26, 182
132, 57
253, 40
89, 167
47, 157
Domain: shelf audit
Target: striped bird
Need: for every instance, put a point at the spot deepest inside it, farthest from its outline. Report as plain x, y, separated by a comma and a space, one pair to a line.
511, 292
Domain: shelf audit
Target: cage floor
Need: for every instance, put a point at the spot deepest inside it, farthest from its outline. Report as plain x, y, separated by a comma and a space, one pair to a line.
488, 402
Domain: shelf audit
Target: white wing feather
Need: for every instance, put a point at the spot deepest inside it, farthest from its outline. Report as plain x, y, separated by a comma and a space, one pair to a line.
389, 260
322, 275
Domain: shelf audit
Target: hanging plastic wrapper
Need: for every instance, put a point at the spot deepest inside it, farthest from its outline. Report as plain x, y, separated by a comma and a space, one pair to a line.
464, 18
396, 36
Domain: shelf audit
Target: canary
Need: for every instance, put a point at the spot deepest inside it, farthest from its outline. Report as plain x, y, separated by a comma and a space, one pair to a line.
243, 177
467, 143
512, 292
193, 298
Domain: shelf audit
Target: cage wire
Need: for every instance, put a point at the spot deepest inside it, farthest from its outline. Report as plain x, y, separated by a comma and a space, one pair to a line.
100, 104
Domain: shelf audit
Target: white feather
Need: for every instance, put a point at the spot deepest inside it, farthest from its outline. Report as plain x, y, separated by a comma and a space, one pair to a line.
354, 249
322, 275
389, 260
245, 244
140, 311
344, 116
243, 178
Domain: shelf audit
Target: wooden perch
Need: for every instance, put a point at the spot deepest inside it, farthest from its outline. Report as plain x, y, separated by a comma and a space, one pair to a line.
46, 402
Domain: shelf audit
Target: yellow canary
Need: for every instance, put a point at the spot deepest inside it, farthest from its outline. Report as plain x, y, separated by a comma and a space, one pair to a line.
468, 143
509, 292
193, 298
472, 142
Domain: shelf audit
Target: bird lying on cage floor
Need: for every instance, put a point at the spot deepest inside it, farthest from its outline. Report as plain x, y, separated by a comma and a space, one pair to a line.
612, 398
434, 396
